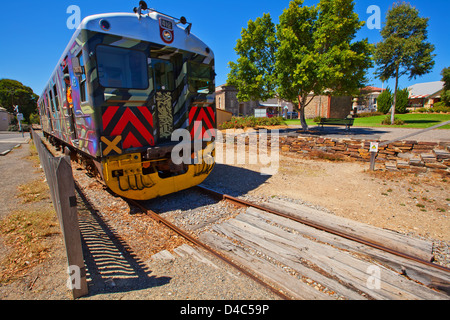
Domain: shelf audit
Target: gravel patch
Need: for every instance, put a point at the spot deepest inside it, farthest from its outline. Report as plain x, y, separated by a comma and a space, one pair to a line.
134, 240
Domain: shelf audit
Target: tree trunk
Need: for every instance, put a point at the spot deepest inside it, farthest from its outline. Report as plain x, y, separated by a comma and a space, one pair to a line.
302, 113
395, 96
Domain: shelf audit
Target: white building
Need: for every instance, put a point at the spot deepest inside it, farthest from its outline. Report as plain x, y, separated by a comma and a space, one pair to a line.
425, 95
367, 101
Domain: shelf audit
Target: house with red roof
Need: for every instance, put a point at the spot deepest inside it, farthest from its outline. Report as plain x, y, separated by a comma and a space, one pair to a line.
425, 95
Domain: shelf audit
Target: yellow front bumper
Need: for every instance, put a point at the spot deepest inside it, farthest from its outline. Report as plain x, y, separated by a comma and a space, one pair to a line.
133, 184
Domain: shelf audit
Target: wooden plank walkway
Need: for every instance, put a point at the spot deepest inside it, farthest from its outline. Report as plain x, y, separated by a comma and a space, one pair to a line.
310, 264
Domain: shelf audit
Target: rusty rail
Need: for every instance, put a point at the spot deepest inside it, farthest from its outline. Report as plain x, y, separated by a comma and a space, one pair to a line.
198, 243
244, 203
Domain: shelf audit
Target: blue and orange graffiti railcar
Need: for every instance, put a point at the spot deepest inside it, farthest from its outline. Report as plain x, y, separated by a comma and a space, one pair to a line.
124, 84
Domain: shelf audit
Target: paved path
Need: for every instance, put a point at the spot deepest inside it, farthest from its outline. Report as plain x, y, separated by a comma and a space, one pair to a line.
10, 140
382, 134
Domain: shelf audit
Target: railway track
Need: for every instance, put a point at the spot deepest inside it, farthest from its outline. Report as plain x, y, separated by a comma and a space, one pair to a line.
204, 246
323, 227
344, 265
300, 258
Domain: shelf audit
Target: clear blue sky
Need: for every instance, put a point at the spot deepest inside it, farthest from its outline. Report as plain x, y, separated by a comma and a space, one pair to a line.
33, 34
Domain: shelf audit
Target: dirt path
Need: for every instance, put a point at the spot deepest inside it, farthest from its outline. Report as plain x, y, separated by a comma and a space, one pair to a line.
47, 280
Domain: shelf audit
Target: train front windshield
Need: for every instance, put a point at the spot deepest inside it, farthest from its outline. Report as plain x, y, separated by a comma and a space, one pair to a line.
122, 68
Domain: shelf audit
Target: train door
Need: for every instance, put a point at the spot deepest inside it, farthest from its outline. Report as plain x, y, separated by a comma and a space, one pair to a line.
57, 114
68, 100
48, 112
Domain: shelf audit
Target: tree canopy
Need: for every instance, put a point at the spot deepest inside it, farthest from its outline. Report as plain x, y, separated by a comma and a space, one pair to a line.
254, 71
446, 78
311, 53
404, 49
14, 93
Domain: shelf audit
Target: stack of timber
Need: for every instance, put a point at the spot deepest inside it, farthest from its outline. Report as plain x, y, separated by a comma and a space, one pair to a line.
309, 264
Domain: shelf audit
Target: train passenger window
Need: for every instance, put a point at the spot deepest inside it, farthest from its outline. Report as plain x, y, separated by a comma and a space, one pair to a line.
51, 102
122, 68
200, 78
82, 79
56, 101
164, 74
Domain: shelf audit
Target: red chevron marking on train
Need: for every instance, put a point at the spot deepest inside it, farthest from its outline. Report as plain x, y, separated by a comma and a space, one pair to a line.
108, 115
130, 117
203, 118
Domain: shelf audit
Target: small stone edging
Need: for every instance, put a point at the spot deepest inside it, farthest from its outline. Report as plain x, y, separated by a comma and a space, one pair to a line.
410, 155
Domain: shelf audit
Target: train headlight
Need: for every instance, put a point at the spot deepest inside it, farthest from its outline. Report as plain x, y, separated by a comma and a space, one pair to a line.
167, 35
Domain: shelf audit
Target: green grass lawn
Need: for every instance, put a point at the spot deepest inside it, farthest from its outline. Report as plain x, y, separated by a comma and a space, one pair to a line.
420, 121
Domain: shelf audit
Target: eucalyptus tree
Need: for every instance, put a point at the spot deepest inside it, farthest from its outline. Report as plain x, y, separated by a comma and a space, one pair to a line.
309, 53
318, 54
404, 49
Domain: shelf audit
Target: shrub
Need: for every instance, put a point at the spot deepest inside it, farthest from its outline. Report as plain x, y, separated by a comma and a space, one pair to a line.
34, 118
446, 97
384, 101
440, 108
397, 121
368, 114
402, 101
251, 122
15, 127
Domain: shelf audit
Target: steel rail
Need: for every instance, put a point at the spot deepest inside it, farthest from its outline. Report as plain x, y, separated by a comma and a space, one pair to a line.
198, 243
244, 203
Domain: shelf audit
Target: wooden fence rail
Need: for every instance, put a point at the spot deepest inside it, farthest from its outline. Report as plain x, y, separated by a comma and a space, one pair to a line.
58, 172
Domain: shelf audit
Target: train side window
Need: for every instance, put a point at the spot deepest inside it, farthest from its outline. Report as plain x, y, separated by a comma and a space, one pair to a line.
200, 78
56, 101
46, 106
51, 102
82, 78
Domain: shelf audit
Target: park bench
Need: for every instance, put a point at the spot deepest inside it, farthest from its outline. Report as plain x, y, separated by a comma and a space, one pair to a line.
347, 122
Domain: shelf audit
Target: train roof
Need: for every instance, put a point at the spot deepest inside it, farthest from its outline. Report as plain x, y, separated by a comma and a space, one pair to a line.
145, 28
141, 27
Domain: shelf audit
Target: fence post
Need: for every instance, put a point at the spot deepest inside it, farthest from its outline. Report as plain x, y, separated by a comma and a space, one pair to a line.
67, 203
58, 172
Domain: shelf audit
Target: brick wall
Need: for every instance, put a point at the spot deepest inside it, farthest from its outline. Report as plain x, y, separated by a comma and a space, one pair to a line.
329, 107
226, 99
340, 107
319, 106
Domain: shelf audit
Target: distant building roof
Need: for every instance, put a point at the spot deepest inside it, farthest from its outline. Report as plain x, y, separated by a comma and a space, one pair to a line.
372, 89
423, 90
